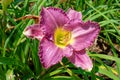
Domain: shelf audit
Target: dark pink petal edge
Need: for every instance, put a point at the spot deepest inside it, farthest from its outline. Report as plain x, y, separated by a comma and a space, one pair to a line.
59, 10
42, 21
98, 31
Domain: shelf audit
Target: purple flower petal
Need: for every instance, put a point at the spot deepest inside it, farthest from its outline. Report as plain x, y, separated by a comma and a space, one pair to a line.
72, 14
67, 51
83, 34
52, 18
81, 59
49, 53
34, 31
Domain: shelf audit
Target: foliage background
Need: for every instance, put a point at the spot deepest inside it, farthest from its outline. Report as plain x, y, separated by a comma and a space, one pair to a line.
18, 55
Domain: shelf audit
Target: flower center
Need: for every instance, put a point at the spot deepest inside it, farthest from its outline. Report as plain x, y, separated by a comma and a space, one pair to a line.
62, 37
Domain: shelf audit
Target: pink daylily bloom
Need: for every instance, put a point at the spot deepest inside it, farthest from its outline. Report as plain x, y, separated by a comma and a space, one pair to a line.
63, 35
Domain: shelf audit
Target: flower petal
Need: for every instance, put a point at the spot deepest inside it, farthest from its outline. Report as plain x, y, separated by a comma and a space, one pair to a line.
72, 14
52, 18
49, 53
34, 31
83, 34
81, 59
67, 51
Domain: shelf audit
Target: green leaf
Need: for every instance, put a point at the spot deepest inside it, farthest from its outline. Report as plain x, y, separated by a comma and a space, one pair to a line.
7, 61
61, 78
106, 57
5, 3
10, 75
105, 71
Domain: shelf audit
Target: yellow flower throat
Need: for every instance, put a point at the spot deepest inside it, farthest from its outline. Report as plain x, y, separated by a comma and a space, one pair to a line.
62, 37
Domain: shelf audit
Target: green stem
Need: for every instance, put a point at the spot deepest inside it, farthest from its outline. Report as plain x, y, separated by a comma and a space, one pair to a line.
70, 72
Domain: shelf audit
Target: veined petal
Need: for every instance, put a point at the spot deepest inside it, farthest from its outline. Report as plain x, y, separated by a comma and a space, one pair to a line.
52, 18
49, 53
34, 31
81, 59
72, 14
83, 34
72, 24
67, 51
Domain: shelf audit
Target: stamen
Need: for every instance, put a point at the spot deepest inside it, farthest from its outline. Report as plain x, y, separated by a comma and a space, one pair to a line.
62, 37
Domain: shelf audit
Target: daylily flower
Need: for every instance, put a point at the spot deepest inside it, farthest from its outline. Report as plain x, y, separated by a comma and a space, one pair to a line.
63, 35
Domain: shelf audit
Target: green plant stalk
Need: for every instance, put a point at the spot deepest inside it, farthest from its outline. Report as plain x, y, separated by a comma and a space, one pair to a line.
103, 16
113, 49
69, 71
35, 57
37, 7
4, 25
93, 77
114, 52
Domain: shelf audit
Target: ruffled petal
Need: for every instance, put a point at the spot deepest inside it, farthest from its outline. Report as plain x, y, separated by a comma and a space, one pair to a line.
81, 59
49, 53
72, 14
83, 34
34, 31
52, 18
